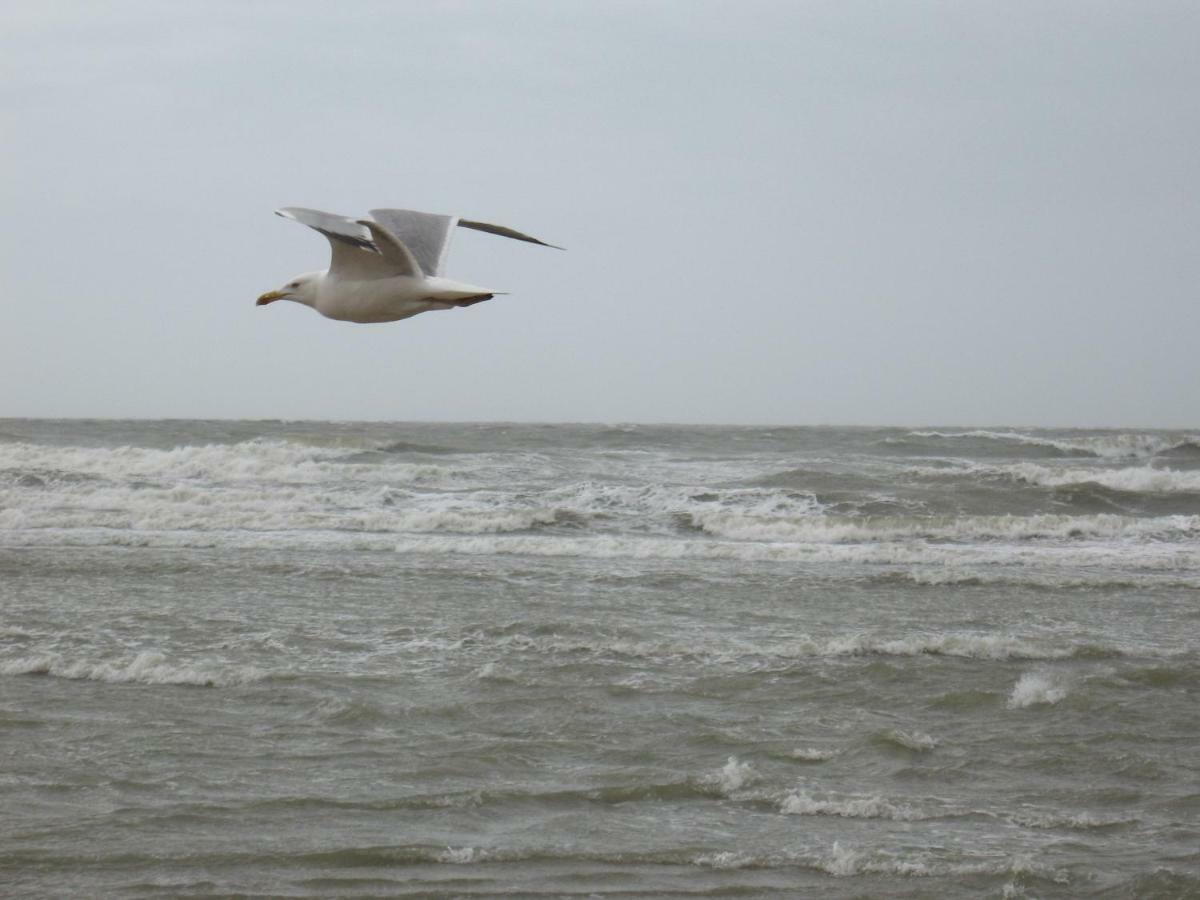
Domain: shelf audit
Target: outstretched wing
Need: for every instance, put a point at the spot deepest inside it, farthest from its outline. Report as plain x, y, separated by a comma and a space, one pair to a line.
355, 256
393, 249
426, 235
504, 232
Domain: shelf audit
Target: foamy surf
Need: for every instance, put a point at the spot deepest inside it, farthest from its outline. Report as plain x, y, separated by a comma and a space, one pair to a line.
1136, 480
826, 662
733, 777
812, 754
147, 667
804, 803
911, 739
1122, 445
1037, 689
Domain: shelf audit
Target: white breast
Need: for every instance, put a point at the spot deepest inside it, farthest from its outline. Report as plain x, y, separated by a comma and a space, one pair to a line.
377, 300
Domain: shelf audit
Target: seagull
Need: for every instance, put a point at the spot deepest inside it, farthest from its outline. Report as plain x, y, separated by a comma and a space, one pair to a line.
384, 268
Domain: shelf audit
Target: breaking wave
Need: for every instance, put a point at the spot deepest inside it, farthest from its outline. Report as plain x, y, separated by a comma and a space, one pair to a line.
1036, 688
1084, 821
145, 668
812, 754
780, 654
1136, 480
828, 529
843, 862
255, 460
1123, 445
733, 777
916, 741
802, 803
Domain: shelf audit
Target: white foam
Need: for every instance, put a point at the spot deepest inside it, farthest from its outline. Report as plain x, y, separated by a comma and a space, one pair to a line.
666, 503
734, 776
801, 803
479, 521
918, 741
948, 575
145, 668
812, 754
768, 654
261, 494
1138, 479
1080, 821
607, 546
829, 529
843, 861
726, 859
1106, 446
960, 644
262, 508
1036, 688
460, 856
250, 460
952, 575
276, 486
487, 672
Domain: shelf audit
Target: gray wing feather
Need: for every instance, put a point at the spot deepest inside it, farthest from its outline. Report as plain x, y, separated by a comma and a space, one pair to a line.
427, 235
393, 249
503, 232
354, 255
334, 227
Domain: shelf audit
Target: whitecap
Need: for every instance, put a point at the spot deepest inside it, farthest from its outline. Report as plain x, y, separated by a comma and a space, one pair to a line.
841, 861
1138, 479
1037, 688
917, 741
725, 859
824, 529
844, 861
733, 776
957, 644
147, 667
812, 754
801, 803
1106, 446
1034, 818
488, 672
459, 856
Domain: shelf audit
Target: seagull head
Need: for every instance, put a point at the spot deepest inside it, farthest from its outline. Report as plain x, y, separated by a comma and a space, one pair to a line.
301, 289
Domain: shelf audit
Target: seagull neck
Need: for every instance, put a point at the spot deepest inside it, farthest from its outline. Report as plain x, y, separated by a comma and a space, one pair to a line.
311, 291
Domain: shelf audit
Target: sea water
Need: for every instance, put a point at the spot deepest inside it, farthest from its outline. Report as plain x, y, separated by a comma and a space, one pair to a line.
330, 659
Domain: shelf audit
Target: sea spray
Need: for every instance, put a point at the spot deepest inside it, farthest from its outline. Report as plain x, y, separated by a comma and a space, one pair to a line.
1037, 689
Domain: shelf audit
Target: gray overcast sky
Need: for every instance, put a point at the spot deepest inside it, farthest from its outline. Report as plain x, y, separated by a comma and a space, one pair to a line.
842, 212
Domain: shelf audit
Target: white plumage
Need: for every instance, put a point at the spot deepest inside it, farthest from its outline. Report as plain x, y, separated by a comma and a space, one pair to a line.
384, 268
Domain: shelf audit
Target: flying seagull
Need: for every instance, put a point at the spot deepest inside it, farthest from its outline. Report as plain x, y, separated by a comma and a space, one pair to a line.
384, 268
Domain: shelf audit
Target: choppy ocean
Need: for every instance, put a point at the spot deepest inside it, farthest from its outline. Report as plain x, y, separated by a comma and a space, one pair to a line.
307, 659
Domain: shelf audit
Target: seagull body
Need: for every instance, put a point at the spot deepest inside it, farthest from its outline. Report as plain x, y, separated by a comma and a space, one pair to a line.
380, 299
385, 268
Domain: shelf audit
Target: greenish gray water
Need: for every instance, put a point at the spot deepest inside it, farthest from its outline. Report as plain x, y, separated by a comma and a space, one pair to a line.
319, 659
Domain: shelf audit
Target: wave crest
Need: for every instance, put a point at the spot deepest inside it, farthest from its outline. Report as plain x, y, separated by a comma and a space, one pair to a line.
1035, 689
801, 803
1122, 445
147, 667
1135, 480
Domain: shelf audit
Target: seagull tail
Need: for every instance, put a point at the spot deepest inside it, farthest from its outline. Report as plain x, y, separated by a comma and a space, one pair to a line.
472, 300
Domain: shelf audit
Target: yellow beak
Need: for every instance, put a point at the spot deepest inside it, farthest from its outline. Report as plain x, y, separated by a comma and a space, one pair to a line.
269, 297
